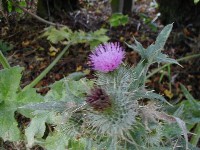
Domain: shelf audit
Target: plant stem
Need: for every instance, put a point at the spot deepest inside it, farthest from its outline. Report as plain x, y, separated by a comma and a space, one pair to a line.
195, 138
35, 16
44, 73
181, 59
169, 77
4, 61
145, 74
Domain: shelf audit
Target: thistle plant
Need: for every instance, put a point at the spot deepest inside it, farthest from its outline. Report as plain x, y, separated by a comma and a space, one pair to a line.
114, 111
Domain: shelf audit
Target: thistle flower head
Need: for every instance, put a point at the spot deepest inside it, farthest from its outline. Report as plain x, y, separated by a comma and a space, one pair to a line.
98, 99
107, 57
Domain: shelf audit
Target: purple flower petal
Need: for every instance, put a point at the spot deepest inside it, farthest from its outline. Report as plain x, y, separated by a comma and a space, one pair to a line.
107, 57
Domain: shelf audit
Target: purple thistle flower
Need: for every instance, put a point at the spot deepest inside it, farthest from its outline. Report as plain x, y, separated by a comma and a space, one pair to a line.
107, 57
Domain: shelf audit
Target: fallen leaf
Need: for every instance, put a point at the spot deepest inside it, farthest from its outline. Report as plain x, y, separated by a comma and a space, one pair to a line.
52, 54
25, 43
79, 68
168, 93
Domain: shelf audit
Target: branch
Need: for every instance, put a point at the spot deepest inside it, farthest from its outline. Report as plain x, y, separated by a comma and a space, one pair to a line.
35, 16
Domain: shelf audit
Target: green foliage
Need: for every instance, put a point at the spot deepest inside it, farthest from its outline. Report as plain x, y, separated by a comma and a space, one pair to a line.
118, 19
187, 109
196, 1
64, 96
148, 21
153, 53
12, 8
130, 123
10, 99
134, 120
5, 47
66, 35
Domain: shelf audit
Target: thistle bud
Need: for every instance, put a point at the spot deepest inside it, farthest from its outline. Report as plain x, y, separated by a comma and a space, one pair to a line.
98, 99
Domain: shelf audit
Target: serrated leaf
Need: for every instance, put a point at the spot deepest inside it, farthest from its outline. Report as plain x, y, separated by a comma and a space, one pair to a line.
118, 19
76, 76
36, 129
138, 48
150, 95
56, 92
12, 98
37, 126
182, 125
190, 98
56, 35
25, 97
153, 52
93, 38
97, 37
164, 58
8, 124
62, 96
57, 141
162, 37
9, 83
58, 106
179, 111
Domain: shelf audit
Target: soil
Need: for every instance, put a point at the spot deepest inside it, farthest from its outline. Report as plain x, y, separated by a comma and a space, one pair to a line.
33, 52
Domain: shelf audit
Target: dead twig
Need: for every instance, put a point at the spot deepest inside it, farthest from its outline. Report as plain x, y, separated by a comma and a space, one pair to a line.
35, 16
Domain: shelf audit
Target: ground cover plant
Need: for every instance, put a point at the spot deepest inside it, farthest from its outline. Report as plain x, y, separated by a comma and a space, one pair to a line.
113, 111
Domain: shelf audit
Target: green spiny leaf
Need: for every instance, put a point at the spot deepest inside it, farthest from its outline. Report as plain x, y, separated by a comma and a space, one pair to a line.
182, 125
162, 37
29, 96
56, 141
190, 98
153, 52
36, 129
138, 48
59, 99
164, 58
37, 126
58, 106
9, 83
8, 124
12, 98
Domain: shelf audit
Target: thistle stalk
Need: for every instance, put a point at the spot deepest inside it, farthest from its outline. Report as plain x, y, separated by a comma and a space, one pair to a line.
44, 73
4, 61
